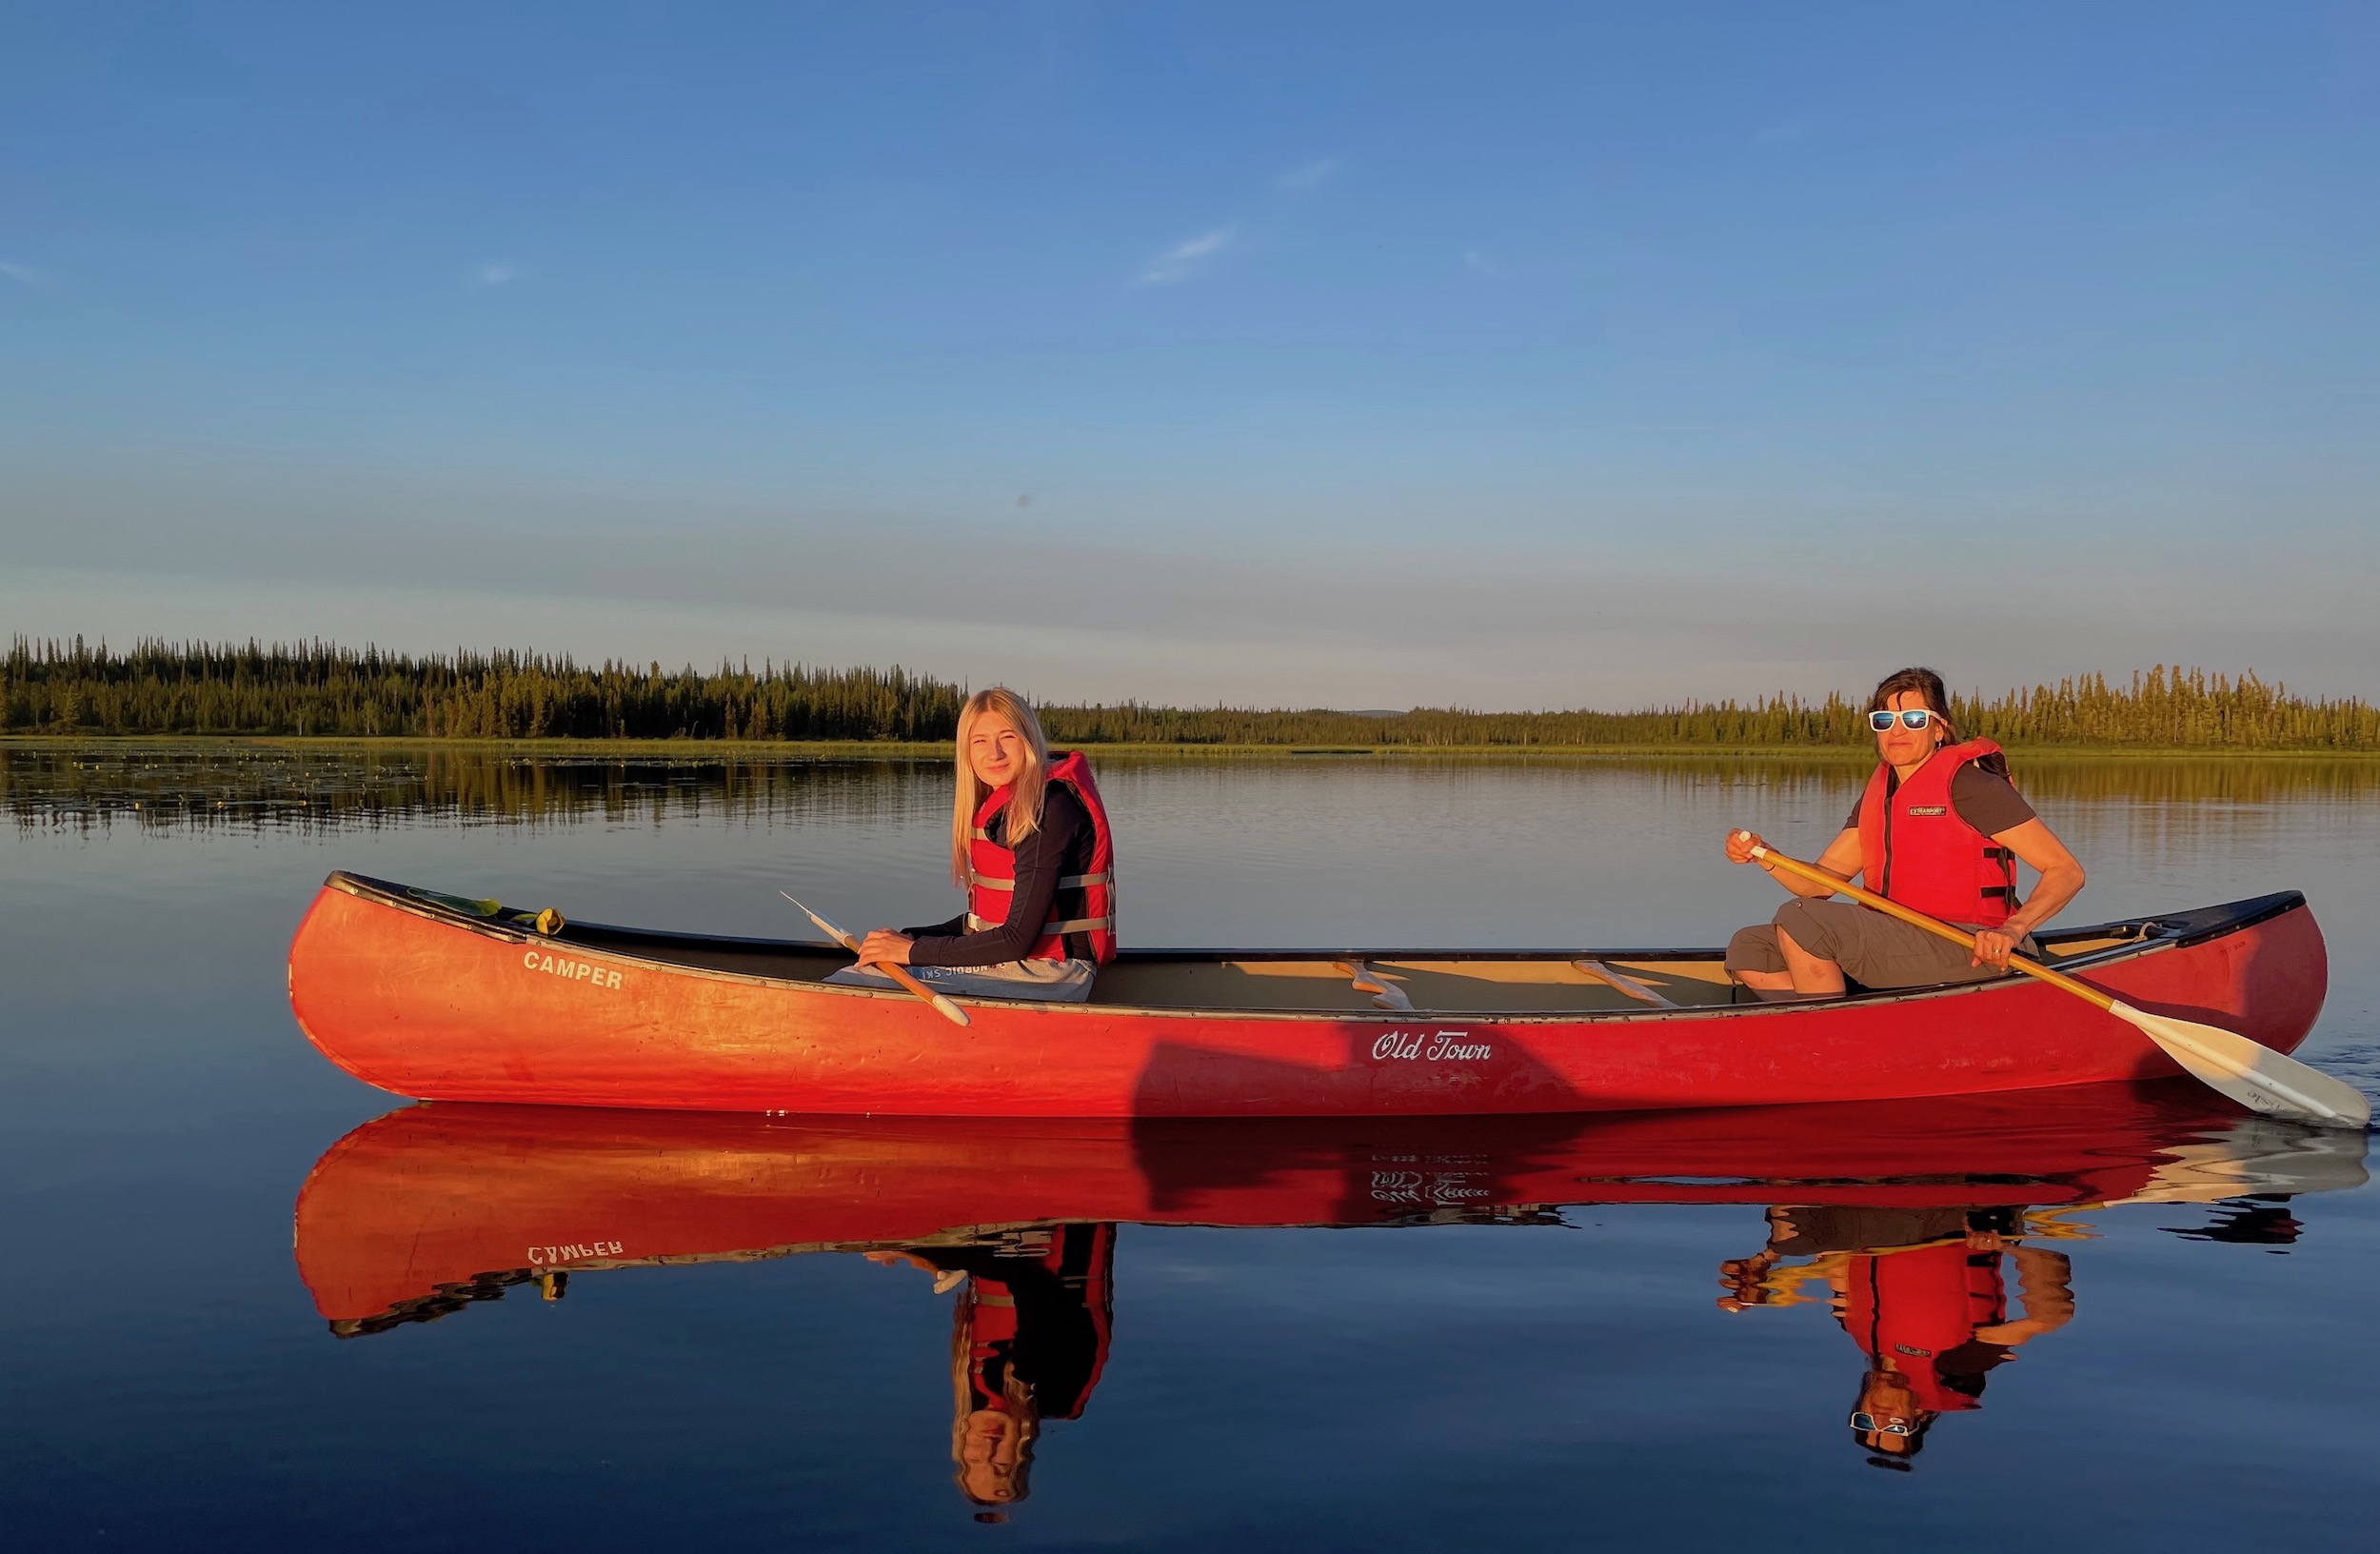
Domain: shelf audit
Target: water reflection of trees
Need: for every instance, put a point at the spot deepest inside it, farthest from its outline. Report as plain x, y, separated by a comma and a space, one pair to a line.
166, 786
170, 787
2045, 777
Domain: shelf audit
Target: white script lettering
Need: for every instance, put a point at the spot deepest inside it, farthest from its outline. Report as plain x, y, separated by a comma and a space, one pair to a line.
1431, 1189
1431, 1046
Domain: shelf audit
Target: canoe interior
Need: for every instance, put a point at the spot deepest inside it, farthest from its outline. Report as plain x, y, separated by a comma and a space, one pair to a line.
1436, 980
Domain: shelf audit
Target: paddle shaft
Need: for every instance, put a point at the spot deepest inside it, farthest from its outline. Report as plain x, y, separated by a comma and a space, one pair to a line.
1919, 920
899, 973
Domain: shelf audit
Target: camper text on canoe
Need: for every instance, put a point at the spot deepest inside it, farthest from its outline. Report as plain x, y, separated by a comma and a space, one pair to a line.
561, 965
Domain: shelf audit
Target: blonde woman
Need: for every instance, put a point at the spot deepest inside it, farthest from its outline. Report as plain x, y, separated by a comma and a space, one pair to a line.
1029, 1338
1029, 844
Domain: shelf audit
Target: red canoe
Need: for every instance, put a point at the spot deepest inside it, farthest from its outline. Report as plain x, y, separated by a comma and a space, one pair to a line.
431, 1207
441, 999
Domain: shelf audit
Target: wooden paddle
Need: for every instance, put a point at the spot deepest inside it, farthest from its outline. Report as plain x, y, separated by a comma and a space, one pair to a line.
2249, 1072
943, 1006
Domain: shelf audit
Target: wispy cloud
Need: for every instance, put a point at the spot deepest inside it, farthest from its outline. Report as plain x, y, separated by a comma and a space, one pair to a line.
495, 272
1480, 264
1191, 255
24, 274
1302, 179
1186, 258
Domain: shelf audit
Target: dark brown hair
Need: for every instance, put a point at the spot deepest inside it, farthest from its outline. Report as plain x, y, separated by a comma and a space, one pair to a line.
1929, 687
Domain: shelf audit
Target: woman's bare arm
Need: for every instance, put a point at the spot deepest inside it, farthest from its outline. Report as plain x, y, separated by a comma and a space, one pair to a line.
2045, 1289
1841, 858
2061, 882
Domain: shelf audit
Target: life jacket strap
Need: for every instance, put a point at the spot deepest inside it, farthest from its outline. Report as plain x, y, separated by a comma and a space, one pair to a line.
1072, 925
1067, 881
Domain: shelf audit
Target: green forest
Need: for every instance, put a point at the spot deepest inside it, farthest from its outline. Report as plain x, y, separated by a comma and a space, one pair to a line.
325, 690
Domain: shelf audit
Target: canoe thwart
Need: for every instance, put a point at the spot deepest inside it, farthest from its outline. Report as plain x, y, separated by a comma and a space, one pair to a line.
1384, 993
1630, 985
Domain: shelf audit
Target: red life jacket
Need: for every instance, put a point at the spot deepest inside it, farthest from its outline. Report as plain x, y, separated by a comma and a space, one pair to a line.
1915, 849
985, 1318
1086, 902
1913, 1306
1083, 1256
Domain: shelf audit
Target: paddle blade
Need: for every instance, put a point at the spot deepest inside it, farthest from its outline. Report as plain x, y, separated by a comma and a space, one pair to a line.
2250, 1073
948, 1010
2256, 1155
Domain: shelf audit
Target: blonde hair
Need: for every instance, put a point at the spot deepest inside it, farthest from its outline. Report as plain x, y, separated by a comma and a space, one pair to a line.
992, 1481
1024, 800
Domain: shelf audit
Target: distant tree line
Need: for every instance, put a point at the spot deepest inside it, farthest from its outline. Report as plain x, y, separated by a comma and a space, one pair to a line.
320, 688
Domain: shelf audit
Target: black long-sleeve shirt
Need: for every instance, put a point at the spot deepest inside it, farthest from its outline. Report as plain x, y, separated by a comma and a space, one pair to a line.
1060, 845
1058, 1348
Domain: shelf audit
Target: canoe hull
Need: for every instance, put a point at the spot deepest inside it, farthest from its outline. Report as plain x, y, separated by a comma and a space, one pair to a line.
424, 1004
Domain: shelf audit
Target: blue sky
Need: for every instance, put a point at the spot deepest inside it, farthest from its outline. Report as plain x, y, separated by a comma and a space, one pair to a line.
1357, 354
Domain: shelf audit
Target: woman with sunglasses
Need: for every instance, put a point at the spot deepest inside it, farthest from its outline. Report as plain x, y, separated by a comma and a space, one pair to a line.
1939, 828
1923, 1291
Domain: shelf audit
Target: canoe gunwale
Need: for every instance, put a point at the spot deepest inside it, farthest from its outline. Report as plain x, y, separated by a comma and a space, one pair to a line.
2138, 938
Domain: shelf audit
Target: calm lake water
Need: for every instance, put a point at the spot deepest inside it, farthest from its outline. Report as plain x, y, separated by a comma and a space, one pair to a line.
1391, 1337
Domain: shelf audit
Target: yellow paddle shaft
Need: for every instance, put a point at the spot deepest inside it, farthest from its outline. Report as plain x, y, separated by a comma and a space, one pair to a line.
1919, 920
944, 1007
900, 974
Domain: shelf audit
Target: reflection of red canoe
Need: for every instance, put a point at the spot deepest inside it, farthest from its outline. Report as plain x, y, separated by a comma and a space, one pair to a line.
408, 992
429, 1206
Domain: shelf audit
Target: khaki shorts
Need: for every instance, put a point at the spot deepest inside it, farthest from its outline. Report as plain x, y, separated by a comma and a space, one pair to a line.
1874, 950
1052, 982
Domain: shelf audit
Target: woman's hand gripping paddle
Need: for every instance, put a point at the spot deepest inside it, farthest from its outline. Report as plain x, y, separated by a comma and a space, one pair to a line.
2249, 1072
943, 1006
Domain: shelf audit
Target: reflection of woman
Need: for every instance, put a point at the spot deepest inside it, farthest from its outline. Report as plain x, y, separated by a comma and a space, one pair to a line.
1030, 844
1923, 1294
1028, 1339
1939, 828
